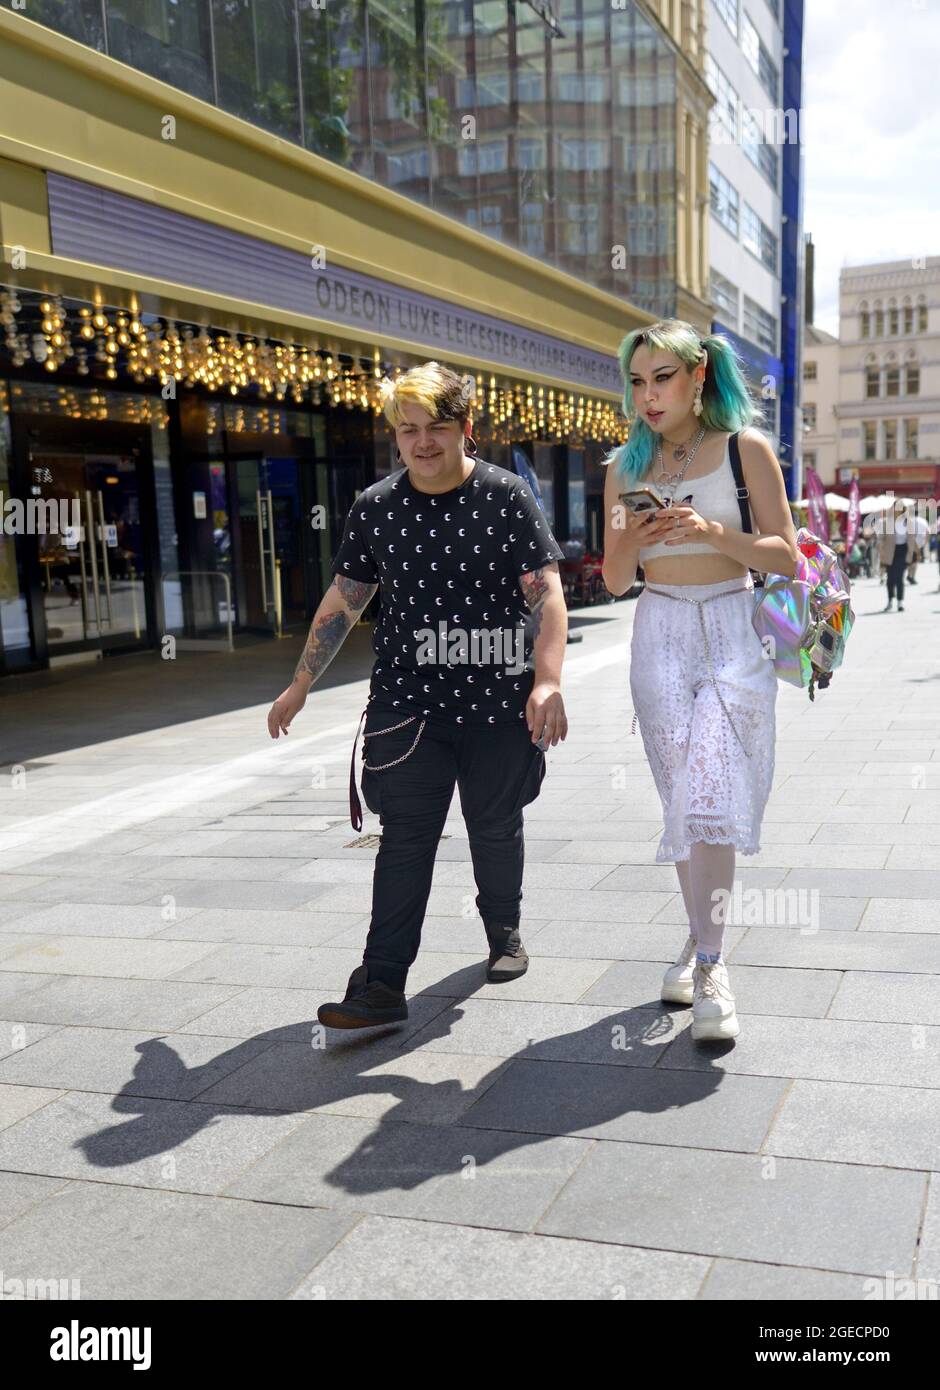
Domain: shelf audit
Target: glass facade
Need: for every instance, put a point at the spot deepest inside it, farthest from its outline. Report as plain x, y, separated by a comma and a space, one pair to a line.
560, 144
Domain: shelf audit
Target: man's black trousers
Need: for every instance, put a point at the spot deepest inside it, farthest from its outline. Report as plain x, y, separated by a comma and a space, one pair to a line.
497, 769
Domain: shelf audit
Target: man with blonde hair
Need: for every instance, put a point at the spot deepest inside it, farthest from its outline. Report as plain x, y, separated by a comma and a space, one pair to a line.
464, 557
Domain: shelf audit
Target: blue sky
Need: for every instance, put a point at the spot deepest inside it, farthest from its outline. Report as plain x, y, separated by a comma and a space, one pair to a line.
872, 136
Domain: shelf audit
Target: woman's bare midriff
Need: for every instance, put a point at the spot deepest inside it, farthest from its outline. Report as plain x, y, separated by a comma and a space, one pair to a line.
692, 569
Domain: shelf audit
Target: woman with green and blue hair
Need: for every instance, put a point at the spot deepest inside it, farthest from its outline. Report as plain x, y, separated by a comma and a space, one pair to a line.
704, 689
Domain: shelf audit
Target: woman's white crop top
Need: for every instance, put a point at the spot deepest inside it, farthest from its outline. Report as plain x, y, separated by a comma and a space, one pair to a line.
713, 496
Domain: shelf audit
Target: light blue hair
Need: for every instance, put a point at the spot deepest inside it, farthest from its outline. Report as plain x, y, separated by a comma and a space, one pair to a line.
727, 402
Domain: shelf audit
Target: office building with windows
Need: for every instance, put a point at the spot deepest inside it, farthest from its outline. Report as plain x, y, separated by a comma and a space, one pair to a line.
881, 401
754, 70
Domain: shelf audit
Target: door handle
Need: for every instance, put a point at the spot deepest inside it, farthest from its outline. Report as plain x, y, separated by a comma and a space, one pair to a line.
104, 558
90, 533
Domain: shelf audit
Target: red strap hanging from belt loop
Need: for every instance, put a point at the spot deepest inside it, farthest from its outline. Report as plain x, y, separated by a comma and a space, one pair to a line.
355, 806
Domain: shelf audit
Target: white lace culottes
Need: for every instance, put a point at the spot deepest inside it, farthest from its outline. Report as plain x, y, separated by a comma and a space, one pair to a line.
710, 788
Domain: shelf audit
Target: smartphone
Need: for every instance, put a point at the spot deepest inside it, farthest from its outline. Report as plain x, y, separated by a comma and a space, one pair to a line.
642, 500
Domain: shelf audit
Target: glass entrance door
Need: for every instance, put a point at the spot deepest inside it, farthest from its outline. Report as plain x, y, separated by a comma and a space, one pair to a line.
271, 533
91, 552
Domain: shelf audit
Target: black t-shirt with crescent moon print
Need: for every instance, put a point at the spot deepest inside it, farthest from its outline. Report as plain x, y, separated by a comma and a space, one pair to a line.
450, 641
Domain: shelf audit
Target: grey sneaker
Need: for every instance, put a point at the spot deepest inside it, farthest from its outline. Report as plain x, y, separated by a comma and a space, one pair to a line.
367, 1004
508, 959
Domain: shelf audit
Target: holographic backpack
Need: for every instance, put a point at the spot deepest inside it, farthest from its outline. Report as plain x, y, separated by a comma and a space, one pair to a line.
803, 621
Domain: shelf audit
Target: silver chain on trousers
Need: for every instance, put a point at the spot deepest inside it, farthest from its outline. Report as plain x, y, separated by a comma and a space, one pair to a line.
381, 767
708, 654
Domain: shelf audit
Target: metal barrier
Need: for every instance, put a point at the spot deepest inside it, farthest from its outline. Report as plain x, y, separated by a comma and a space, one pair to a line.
204, 643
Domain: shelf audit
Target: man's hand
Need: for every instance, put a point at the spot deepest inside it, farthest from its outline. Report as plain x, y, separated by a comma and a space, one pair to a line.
285, 707
545, 713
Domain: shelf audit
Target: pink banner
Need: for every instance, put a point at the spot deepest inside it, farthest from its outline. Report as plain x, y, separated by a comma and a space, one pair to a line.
816, 502
853, 517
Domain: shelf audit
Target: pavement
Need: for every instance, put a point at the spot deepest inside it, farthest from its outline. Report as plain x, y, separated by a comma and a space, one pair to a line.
178, 894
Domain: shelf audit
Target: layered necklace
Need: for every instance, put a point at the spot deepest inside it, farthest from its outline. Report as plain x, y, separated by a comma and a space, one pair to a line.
672, 480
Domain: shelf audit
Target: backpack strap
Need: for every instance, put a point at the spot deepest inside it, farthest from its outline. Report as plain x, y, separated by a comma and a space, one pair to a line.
743, 495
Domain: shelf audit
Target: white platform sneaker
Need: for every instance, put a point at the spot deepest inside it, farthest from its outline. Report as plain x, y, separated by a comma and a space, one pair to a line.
677, 981
713, 1014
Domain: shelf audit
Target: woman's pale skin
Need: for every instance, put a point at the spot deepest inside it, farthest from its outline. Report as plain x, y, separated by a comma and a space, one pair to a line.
662, 382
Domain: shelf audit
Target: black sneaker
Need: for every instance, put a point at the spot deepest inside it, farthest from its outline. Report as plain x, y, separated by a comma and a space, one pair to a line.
367, 1003
508, 959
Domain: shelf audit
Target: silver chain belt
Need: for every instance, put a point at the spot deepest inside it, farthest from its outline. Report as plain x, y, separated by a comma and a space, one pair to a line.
391, 729
708, 654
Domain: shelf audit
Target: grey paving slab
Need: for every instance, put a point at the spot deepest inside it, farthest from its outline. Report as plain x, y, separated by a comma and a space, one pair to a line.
780, 907
415, 1170
19, 1192
757, 989
182, 1146
231, 893
626, 940
293, 927
553, 1032
101, 919
381, 1080
398, 1259
886, 997
900, 914
177, 1066
837, 950
107, 1003
79, 889
315, 967
743, 1206
17, 1101
18, 1035
898, 1126
928, 1257
88, 955
687, 1108
746, 1281
547, 979
888, 883
130, 1243
822, 1049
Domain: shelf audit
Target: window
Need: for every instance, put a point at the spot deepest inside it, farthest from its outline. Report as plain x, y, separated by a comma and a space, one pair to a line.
879, 322
921, 315
724, 200
725, 298
872, 382
758, 237
761, 155
758, 56
482, 157
726, 98
893, 380
530, 153
913, 379
530, 86
728, 9
809, 458
809, 371
908, 316
581, 86
893, 321
865, 318
415, 164
759, 326
910, 439
891, 439
580, 155
871, 439
809, 415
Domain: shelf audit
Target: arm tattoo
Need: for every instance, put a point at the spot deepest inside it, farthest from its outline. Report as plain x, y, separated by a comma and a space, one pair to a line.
328, 633
323, 642
534, 588
354, 592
